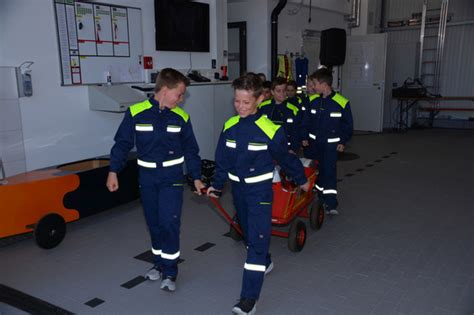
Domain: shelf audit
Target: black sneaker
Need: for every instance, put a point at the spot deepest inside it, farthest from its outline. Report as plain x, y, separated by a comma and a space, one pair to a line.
245, 306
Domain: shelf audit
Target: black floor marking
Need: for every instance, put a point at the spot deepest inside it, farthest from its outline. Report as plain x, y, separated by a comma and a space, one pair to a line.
226, 234
359, 170
369, 165
28, 303
378, 161
385, 156
134, 282
339, 180
149, 257
94, 302
349, 175
393, 153
204, 247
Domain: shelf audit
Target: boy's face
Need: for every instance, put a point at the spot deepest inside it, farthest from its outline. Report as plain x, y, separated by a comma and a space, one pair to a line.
267, 94
279, 93
291, 91
310, 87
319, 87
174, 96
246, 103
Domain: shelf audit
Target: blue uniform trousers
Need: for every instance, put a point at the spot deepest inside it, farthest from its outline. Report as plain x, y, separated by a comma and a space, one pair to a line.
254, 210
326, 154
162, 199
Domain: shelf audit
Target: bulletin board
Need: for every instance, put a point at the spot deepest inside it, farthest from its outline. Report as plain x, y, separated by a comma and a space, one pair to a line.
98, 41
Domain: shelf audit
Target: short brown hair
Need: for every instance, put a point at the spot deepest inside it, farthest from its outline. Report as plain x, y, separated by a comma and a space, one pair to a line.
170, 78
323, 75
249, 82
278, 81
292, 83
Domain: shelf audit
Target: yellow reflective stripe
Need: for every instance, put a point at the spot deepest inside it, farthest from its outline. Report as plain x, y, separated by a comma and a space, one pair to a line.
264, 103
333, 140
137, 108
233, 177
146, 164
312, 136
179, 111
254, 267
259, 178
313, 97
292, 108
231, 122
156, 251
170, 256
173, 162
144, 127
267, 126
335, 114
341, 100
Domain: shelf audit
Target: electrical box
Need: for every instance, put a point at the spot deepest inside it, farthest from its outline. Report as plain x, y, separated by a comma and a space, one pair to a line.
113, 98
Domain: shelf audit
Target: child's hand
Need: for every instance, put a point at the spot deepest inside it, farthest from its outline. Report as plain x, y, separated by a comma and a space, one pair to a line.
340, 147
305, 186
305, 143
198, 184
212, 192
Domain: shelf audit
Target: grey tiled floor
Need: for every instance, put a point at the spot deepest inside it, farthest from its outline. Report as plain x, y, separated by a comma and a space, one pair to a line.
403, 244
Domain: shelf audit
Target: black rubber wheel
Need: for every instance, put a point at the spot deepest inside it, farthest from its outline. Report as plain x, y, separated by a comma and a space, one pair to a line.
50, 231
233, 233
297, 236
316, 216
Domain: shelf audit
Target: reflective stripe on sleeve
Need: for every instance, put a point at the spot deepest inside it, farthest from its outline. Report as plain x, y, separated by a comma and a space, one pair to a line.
259, 178
333, 140
170, 256
319, 188
146, 164
254, 267
233, 177
144, 127
329, 191
336, 114
173, 162
312, 136
313, 111
289, 120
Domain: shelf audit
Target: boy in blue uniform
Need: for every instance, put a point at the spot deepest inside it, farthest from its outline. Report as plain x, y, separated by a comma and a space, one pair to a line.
282, 112
291, 93
164, 138
327, 127
247, 148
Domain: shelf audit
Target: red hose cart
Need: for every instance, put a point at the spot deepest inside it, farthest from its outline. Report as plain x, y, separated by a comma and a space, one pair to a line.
289, 203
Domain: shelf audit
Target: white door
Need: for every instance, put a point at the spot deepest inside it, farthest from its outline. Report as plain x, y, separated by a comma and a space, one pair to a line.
363, 79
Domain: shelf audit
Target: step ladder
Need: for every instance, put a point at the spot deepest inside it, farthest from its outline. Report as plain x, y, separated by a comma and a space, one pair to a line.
431, 49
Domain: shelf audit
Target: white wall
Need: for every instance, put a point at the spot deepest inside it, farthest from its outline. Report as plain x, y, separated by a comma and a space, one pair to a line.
257, 15
58, 126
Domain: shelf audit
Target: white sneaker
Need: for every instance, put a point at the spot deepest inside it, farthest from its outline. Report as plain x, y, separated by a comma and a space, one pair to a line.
168, 284
153, 274
269, 268
333, 212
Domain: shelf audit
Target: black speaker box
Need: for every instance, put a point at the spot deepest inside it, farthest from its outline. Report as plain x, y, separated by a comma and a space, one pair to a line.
333, 47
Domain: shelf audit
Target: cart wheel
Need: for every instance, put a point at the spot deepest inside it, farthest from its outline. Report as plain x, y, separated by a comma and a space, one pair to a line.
50, 231
316, 216
233, 233
297, 236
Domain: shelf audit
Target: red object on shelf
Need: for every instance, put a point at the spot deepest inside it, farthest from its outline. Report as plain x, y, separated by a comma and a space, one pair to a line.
148, 62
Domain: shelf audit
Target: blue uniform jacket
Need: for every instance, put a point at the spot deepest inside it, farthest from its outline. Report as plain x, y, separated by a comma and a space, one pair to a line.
286, 114
247, 148
327, 119
159, 135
